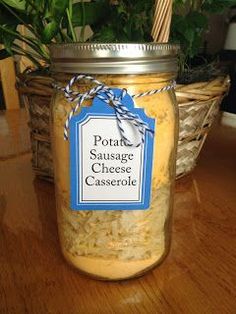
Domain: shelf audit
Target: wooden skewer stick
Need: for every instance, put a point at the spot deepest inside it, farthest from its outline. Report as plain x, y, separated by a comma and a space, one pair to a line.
166, 24
162, 20
159, 16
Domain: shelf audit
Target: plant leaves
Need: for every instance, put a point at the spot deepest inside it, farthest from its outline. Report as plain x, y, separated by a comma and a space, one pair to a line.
6, 37
217, 6
106, 34
46, 17
57, 8
7, 17
17, 4
94, 13
50, 30
197, 20
130, 20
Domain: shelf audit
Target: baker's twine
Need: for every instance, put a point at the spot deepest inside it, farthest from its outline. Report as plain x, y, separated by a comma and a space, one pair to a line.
106, 94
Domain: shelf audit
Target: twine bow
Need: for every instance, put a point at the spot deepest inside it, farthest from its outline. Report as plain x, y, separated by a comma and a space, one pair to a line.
106, 94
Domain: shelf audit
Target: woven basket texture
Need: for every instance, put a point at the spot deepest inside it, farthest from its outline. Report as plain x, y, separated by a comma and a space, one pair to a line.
198, 106
36, 92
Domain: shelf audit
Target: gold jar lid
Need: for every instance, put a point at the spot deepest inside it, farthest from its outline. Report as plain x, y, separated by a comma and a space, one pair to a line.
96, 58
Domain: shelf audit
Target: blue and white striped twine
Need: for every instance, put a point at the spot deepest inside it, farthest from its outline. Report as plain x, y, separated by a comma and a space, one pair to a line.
121, 112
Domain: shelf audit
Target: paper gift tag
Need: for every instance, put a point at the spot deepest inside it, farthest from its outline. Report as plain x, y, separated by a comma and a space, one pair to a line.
105, 173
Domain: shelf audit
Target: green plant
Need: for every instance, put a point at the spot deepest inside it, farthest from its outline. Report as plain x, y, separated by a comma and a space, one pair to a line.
129, 21
56, 21
46, 21
190, 20
49, 21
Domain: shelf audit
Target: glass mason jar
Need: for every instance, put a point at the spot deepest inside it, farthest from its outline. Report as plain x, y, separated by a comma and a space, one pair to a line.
118, 244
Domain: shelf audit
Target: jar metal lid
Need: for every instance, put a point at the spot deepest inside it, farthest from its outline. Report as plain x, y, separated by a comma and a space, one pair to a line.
96, 58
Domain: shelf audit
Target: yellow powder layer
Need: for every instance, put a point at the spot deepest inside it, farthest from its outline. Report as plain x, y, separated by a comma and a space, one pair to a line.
110, 268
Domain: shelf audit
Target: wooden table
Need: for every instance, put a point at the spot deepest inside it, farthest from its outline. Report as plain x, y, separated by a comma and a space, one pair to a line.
198, 276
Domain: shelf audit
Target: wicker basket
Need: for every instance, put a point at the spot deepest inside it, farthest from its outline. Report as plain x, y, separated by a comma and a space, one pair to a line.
198, 106
36, 92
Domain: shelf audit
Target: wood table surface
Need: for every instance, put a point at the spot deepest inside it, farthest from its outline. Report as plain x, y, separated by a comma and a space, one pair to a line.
198, 276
